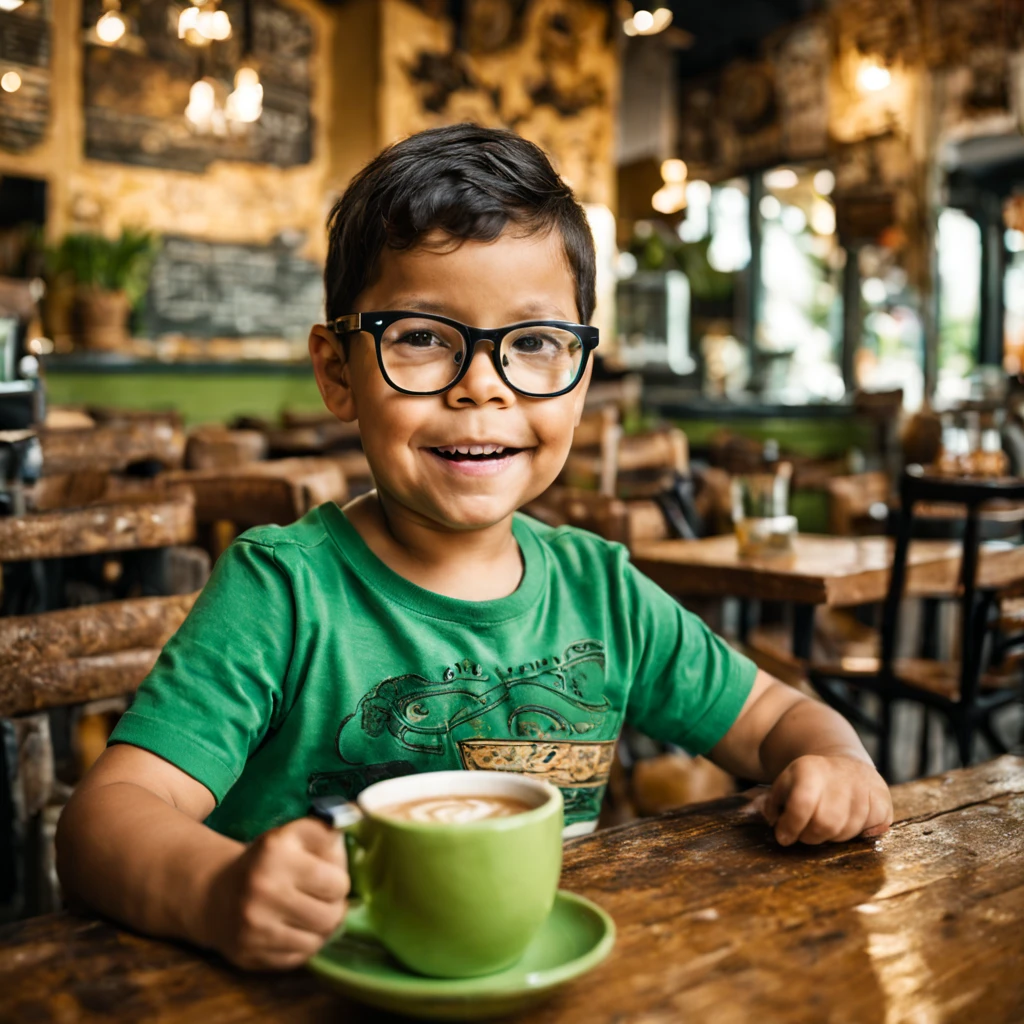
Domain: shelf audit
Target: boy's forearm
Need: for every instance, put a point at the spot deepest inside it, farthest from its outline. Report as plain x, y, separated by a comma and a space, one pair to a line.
807, 727
779, 724
132, 856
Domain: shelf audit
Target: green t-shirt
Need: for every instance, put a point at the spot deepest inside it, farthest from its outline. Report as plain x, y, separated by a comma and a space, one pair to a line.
307, 667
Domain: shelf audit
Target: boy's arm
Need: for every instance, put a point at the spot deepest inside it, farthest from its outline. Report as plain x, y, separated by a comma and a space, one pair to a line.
824, 785
132, 845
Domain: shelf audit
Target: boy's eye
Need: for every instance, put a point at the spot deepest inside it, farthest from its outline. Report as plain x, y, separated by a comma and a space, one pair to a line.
421, 339
533, 344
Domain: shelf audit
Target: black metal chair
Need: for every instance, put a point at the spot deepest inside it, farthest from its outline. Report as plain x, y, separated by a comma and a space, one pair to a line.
959, 689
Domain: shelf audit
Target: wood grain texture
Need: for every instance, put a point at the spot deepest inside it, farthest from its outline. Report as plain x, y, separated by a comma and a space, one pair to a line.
716, 924
93, 629
165, 520
50, 684
834, 571
112, 446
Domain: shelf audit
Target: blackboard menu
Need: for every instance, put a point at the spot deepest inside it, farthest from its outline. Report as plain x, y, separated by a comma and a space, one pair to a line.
25, 50
135, 96
218, 290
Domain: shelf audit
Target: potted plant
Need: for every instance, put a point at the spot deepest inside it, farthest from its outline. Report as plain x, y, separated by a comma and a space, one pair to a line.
107, 277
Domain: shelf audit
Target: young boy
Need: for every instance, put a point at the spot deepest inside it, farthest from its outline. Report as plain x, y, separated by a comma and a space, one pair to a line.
427, 625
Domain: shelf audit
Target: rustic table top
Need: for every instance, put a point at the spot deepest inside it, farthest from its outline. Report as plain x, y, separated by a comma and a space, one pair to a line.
716, 923
835, 571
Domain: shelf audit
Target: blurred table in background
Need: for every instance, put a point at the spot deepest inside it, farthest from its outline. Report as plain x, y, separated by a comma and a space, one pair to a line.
833, 571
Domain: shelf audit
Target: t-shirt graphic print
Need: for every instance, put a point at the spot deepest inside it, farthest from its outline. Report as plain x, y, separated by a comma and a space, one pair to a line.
549, 718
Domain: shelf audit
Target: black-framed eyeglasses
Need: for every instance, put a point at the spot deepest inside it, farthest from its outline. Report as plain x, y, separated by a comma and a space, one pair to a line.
426, 354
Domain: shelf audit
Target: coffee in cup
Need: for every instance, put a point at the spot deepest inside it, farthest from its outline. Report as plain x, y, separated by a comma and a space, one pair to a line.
457, 870
451, 810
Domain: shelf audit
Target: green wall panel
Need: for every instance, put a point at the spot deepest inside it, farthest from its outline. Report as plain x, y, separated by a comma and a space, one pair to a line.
200, 397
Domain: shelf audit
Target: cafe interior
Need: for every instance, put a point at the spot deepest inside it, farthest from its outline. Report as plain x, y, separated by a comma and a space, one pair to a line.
806, 417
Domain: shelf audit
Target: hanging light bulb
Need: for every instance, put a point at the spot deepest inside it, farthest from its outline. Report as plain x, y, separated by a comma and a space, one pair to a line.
202, 24
245, 104
648, 23
112, 24
873, 77
202, 102
10, 82
10, 5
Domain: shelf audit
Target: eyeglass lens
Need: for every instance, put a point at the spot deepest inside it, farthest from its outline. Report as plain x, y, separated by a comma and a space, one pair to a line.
423, 355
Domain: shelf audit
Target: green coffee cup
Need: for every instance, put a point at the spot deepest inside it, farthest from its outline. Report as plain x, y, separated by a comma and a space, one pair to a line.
461, 899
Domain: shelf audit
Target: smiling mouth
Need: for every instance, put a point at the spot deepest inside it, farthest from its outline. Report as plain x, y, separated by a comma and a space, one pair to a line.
474, 452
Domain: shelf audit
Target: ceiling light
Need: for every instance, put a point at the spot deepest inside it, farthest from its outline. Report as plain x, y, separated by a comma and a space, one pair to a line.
670, 198
673, 171
643, 21
245, 104
202, 24
11, 82
111, 27
10, 5
202, 102
648, 23
872, 77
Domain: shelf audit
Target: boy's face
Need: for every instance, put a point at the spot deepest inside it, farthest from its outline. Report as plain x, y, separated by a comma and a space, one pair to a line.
487, 285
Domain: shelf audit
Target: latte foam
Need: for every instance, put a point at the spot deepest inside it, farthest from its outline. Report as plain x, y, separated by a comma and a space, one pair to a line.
455, 810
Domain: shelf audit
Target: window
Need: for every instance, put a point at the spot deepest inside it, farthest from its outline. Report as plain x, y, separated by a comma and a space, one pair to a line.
890, 353
800, 321
959, 245
1013, 300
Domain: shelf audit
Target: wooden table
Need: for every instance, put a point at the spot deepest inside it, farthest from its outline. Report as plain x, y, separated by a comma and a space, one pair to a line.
833, 571
716, 923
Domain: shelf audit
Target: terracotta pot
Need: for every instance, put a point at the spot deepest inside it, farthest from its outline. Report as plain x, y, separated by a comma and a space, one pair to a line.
102, 319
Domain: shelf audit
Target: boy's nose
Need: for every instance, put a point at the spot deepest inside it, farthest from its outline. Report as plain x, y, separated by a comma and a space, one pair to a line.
481, 384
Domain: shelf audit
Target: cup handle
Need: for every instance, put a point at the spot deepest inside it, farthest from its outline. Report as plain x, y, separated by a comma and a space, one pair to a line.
345, 817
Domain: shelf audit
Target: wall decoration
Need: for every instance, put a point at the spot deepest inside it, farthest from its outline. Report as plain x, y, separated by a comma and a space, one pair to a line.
25, 76
801, 60
748, 114
545, 68
698, 130
135, 102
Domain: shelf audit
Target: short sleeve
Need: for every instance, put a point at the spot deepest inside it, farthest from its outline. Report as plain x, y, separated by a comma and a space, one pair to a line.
219, 684
689, 685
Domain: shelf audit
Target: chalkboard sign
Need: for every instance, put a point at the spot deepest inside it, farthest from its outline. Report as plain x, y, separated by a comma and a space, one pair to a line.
25, 49
135, 97
219, 290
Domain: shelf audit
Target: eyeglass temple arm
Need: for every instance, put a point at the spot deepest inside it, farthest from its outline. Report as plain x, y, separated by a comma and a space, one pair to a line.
346, 324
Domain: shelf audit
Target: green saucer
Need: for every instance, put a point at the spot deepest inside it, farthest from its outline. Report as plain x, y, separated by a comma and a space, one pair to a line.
576, 937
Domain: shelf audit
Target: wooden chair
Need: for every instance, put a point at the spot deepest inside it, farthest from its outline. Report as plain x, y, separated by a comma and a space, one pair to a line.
625, 394
647, 464
960, 690
233, 499
112, 447
625, 522
52, 659
858, 504
591, 461
625, 465
214, 447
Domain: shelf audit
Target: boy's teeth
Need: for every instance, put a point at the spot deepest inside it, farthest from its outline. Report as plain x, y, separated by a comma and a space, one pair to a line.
471, 449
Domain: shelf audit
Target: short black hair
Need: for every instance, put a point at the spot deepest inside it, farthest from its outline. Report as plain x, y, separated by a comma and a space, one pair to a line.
466, 181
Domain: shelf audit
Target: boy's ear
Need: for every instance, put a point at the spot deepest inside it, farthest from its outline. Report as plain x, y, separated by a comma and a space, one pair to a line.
332, 371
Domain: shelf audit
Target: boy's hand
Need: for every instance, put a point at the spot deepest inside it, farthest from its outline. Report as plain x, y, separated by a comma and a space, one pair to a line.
819, 799
276, 905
